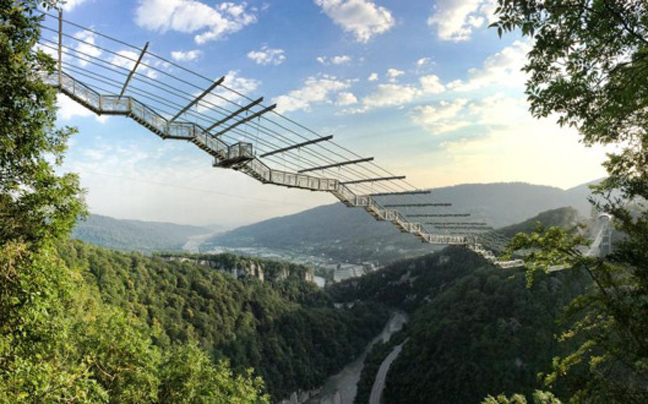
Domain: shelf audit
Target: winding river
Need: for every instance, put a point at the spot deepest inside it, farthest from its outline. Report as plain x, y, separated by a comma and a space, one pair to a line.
341, 388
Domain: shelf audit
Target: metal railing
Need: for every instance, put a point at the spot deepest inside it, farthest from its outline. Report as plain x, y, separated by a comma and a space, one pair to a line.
241, 157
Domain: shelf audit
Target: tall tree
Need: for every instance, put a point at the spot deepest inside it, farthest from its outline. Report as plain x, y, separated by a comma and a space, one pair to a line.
589, 66
35, 202
58, 341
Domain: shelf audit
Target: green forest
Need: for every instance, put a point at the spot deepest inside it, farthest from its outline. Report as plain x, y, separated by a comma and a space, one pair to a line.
285, 329
475, 329
81, 323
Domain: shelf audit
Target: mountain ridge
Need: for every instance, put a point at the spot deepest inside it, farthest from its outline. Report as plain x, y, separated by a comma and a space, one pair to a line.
135, 235
350, 234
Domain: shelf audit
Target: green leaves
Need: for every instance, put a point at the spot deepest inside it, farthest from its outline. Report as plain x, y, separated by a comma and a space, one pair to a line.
539, 397
589, 66
58, 341
547, 250
37, 204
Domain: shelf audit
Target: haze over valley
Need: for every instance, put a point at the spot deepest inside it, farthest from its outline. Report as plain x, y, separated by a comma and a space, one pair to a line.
323, 202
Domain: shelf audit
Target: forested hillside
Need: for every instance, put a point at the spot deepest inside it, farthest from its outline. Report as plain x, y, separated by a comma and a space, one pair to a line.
475, 329
285, 328
351, 234
135, 235
60, 341
566, 218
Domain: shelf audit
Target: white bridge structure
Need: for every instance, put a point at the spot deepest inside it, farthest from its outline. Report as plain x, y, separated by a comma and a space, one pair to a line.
112, 77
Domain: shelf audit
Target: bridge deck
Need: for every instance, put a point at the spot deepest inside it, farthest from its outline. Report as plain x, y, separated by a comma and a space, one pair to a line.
239, 156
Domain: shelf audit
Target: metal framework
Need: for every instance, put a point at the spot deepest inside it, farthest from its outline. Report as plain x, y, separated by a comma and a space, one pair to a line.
198, 98
414, 192
467, 224
235, 113
297, 146
416, 205
130, 75
163, 103
441, 215
344, 163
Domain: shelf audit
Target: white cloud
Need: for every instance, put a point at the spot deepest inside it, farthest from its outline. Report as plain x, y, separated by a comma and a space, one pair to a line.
69, 5
267, 56
393, 74
390, 95
127, 60
242, 85
191, 16
441, 117
142, 178
315, 90
340, 60
500, 110
50, 51
501, 69
187, 56
525, 148
372, 77
397, 95
362, 18
423, 61
336, 60
431, 84
455, 20
68, 109
492, 111
345, 98
86, 46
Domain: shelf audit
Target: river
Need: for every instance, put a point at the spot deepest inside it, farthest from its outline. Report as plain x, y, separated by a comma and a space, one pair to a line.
341, 388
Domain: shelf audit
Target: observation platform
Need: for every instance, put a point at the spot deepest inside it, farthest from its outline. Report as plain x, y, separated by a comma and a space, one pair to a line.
238, 132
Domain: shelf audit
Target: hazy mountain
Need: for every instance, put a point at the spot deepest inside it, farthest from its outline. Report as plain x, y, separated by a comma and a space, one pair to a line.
352, 234
562, 217
135, 235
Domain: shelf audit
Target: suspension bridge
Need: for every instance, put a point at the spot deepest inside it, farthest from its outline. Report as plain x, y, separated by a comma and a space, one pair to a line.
111, 77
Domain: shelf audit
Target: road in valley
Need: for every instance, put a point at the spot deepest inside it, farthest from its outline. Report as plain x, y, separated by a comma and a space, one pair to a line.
379, 382
342, 387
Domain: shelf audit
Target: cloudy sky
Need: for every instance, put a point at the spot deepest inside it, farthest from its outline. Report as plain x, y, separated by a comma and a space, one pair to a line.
424, 86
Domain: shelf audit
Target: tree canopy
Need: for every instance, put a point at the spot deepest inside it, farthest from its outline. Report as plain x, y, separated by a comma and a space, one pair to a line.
35, 202
588, 66
59, 342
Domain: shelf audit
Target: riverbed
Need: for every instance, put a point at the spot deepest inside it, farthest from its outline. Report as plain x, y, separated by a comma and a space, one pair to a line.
341, 388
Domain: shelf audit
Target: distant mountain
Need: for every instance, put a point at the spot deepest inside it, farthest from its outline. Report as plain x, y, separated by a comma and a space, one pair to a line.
582, 193
562, 217
351, 234
135, 235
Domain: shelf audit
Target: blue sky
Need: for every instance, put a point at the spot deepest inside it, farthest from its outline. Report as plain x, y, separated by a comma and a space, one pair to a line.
424, 86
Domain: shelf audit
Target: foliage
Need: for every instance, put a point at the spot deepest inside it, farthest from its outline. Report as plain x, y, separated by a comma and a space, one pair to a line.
474, 328
59, 342
409, 284
286, 329
567, 217
486, 332
188, 376
379, 352
36, 204
588, 66
539, 397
